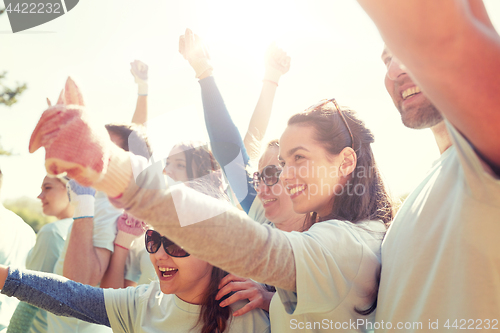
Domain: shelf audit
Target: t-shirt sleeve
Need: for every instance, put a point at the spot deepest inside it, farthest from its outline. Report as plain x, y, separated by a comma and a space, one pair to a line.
105, 222
133, 263
327, 260
45, 253
483, 184
122, 306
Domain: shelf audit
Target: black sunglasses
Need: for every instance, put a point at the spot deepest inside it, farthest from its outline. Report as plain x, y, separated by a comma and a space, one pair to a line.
337, 107
270, 175
154, 241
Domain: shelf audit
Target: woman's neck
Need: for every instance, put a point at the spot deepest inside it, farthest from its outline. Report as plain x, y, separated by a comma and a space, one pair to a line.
297, 223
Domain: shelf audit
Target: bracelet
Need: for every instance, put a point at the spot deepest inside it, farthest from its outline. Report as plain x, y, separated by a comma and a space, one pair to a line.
270, 81
123, 247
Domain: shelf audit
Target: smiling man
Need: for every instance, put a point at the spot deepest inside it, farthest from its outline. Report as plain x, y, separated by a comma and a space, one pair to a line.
441, 256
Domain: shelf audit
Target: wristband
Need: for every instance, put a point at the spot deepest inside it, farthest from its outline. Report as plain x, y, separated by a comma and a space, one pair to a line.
142, 88
270, 81
123, 247
84, 206
272, 74
124, 239
200, 66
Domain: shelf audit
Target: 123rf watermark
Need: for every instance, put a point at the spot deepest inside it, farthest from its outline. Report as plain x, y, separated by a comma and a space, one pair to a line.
26, 14
364, 324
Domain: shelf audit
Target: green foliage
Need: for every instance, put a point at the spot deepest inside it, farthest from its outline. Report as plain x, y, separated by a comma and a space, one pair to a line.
30, 210
4, 152
8, 95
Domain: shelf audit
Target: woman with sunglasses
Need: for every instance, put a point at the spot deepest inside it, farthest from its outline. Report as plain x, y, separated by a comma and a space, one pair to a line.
181, 300
327, 276
48, 247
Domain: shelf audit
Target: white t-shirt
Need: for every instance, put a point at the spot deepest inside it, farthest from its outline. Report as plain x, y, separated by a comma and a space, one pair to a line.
105, 217
441, 256
16, 240
146, 309
138, 267
338, 266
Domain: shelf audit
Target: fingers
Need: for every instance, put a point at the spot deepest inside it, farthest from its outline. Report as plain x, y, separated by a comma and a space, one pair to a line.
228, 278
139, 69
242, 294
232, 286
182, 46
277, 58
191, 46
189, 43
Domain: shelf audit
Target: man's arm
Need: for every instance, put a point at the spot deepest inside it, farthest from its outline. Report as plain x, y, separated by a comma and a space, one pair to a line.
453, 53
85, 263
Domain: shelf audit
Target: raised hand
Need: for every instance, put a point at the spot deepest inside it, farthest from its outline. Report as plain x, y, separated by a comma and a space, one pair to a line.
277, 63
72, 145
129, 228
140, 72
244, 288
82, 198
194, 50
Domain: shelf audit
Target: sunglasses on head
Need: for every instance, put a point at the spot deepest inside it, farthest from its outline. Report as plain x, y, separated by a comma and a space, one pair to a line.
337, 107
270, 175
154, 241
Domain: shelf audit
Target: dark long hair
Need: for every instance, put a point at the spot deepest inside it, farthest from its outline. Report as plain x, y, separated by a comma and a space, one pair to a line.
134, 138
215, 318
200, 162
368, 199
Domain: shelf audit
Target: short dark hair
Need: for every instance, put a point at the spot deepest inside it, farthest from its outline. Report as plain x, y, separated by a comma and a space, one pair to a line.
139, 138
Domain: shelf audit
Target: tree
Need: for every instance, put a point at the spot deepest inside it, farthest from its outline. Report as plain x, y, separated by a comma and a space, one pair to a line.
8, 97
30, 211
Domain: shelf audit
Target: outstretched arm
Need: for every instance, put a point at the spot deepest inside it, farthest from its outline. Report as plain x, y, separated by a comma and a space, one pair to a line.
453, 52
55, 294
277, 64
225, 139
140, 72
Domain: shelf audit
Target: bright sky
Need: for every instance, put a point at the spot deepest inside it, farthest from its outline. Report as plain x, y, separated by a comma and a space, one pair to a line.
335, 52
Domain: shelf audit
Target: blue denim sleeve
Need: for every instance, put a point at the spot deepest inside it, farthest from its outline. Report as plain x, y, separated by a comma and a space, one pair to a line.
227, 146
58, 295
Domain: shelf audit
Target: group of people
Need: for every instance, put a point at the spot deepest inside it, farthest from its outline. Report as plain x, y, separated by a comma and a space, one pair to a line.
287, 247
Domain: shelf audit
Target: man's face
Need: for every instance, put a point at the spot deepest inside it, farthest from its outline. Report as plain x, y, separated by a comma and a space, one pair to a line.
416, 110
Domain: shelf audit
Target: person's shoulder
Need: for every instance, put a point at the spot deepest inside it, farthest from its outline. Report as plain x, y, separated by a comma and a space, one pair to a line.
14, 221
256, 320
345, 231
55, 227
